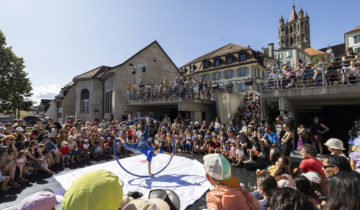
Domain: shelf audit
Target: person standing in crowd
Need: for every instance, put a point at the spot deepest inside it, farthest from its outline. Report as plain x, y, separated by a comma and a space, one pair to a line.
317, 130
227, 192
287, 140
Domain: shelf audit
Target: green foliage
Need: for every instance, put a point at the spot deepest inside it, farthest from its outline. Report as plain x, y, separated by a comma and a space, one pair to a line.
15, 87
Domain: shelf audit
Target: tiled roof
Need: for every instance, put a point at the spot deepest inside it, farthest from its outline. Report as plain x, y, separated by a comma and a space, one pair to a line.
229, 48
338, 50
313, 52
355, 29
95, 73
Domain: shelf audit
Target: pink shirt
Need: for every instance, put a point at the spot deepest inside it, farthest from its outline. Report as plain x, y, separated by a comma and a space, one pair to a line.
226, 198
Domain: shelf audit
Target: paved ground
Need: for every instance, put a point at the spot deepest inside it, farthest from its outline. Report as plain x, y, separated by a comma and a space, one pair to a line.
13, 197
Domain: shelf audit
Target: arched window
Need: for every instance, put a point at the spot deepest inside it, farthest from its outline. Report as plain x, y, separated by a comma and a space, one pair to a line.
84, 101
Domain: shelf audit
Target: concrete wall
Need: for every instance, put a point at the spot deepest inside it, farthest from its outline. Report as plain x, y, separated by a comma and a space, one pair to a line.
52, 111
69, 107
158, 66
95, 87
227, 104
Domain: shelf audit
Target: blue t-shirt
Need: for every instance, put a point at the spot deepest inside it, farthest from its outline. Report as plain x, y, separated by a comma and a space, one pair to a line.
272, 139
149, 153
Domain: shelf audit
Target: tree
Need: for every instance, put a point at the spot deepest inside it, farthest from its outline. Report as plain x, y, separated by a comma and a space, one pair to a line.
15, 87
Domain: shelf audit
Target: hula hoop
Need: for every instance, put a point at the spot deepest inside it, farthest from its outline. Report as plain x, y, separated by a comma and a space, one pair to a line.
116, 140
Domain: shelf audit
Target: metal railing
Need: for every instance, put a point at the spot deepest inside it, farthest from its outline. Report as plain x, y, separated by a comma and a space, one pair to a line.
147, 93
313, 78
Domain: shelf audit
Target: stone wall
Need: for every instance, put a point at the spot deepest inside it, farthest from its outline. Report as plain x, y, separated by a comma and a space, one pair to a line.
68, 103
158, 66
95, 87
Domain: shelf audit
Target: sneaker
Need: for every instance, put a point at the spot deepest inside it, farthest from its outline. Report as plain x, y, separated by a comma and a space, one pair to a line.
248, 161
261, 155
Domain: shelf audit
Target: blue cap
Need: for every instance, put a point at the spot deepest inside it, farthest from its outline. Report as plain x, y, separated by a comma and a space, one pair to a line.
104, 125
207, 136
356, 142
238, 136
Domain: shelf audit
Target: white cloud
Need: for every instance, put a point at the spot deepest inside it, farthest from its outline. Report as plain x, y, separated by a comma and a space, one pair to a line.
44, 92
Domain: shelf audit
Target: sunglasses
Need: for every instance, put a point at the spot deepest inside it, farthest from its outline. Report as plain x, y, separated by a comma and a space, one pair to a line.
325, 166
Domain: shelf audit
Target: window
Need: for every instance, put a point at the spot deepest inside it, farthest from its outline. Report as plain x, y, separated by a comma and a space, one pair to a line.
84, 101
229, 60
217, 61
242, 72
242, 57
192, 67
288, 54
357, 50
288, 63
216, 76
280, 55
241, 87
229, 74
276, 56
108, 101
205, 64
356, 39
206, 77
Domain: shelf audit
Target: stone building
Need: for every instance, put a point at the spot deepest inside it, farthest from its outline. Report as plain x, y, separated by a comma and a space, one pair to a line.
294, 33
101, 92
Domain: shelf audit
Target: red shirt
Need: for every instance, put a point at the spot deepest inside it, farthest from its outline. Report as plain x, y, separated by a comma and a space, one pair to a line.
64, 150
312, 164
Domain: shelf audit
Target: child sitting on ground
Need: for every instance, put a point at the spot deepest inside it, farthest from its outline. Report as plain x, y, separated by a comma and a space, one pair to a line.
64, 150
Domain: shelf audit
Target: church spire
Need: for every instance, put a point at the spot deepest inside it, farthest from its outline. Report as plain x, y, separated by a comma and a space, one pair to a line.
293, 15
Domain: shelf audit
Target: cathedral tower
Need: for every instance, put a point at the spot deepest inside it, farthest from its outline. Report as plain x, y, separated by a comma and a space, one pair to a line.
294, 33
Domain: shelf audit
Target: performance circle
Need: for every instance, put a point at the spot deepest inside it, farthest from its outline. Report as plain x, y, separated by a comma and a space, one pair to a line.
116, 140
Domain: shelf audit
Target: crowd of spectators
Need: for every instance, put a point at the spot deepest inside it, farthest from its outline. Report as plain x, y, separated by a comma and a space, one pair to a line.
311, 74
245, 140
188, 87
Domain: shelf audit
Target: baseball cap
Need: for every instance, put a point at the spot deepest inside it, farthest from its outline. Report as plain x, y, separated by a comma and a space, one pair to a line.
98, 189
207, 136
218, 167
20, 129
43, 200
238, 136
356, 142
151, 204
2, 128
334, 143
64, 143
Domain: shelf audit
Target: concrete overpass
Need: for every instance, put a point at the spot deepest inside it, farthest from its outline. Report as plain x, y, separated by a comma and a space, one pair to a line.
198, 109
336, 105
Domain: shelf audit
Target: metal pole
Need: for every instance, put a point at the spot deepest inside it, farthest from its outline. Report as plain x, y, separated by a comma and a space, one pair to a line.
323, 72
277, 76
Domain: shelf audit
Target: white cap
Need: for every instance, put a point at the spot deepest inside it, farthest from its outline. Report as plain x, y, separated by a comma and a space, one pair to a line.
335, 143
19, 129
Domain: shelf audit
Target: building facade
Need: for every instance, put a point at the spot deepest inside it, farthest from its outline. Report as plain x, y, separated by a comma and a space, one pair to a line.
231, 67
101, 92
352, 39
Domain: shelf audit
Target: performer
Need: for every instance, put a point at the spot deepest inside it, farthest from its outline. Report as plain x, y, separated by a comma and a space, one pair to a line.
144, 147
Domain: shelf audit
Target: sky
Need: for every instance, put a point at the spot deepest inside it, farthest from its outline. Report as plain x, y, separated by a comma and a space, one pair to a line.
61, 39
